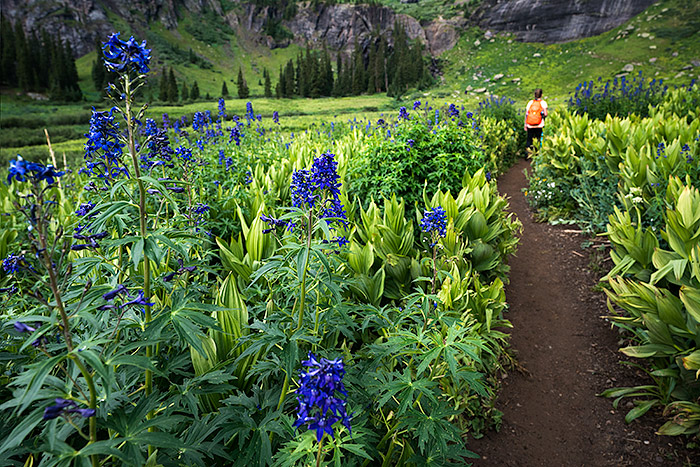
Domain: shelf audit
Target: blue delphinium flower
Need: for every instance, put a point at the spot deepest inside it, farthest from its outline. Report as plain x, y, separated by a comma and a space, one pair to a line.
381, 122
199, 121
249, 114
120, 290
121, 55
66, 407
276, 117
403, 114
12, 263
21, 169
434, 223
410, 143
139, 300
322, 396
324, 173
452, 111
103, 150
22, 327
222, 108
416, 105
661, 150
302, 189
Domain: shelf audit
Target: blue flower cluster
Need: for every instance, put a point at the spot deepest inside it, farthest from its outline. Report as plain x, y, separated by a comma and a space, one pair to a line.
12, 263
66, 407
103, 150
403, 114
121, 55
416, 105
121, 290
434, 223
21, 170
452, 111
322, 182
222, 108
318, 395
276, 117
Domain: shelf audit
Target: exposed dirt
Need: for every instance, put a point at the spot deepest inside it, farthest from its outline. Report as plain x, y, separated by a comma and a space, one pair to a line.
568, 355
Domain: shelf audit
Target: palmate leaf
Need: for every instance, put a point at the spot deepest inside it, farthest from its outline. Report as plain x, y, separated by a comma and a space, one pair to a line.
431, 426
403, 389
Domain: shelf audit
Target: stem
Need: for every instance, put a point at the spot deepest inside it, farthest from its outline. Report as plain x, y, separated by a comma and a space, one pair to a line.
318, 455
302, 298
144, 232
285, 388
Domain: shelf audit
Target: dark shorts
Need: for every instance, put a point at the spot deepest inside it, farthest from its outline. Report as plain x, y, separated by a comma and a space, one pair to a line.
533, 133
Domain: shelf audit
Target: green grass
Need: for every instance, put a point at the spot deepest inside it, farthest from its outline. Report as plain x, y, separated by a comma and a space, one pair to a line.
558, 68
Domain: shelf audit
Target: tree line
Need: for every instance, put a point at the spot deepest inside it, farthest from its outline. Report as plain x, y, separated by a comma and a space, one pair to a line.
37, 62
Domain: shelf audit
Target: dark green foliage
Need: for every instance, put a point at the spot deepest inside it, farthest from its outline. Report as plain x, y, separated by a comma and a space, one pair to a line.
388, 164
172, 86
38, 62
194, 93
185, 93
224, 89
268, 85
163, 87
243, 91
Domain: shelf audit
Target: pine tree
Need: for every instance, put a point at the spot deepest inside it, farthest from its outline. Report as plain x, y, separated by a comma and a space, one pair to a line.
224, 90
22, 70
185, 93
268, 85
8, 69
300, 76
194, 94
289, 73
163, 87
172, 86
359, 81
282, 84
243, 91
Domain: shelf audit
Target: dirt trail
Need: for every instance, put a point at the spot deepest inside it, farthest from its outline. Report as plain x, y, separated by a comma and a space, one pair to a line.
552, 416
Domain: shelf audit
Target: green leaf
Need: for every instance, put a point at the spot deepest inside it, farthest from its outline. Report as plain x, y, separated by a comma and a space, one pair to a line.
640, 410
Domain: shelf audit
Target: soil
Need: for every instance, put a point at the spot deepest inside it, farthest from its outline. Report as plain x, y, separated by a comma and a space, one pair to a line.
567, 353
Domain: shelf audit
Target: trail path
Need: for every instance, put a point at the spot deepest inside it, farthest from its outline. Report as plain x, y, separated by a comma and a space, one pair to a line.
552, 416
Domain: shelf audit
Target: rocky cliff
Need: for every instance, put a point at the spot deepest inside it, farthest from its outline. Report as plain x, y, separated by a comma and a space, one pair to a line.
334, 26
556, 20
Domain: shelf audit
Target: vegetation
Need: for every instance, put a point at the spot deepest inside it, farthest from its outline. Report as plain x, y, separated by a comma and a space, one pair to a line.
193, 336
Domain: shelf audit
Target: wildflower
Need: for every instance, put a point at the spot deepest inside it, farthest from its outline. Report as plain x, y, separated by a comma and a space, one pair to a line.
121, 289
434, 223
410, 143
103, 151
488, 176
139, 300
12, 263
249, 114
19, 169
452, 111
403, 114
84, 209
21, 327
416, 105
66, 407
318, 395
120, 55
276, 117
222, 108
302, 189
324, 174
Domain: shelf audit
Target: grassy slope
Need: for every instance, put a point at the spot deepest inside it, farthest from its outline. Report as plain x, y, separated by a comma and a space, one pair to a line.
673, 24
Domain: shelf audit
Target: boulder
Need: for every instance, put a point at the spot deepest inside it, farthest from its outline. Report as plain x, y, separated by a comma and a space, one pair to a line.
628, 68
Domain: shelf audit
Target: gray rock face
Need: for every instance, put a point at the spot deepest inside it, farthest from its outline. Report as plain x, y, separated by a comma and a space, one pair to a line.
556, 20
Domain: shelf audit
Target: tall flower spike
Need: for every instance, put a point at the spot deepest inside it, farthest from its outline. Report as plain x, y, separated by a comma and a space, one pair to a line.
322, 396
121, 55
434, 223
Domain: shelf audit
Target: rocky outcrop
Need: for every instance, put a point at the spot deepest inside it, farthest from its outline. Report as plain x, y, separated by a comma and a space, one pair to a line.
556, 20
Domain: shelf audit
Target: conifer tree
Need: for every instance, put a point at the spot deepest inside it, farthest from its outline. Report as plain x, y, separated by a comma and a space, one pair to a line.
281, 84
194, 93
243, 91
268, 85
185, 93
224, 90
8, 70
22, 70
163, 87
359, 81
300, 76
289, 78
172, 86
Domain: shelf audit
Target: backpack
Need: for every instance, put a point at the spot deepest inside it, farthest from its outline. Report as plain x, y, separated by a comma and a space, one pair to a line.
534, 115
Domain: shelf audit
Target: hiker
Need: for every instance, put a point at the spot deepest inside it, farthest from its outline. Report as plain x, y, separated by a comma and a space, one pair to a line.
535, 112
